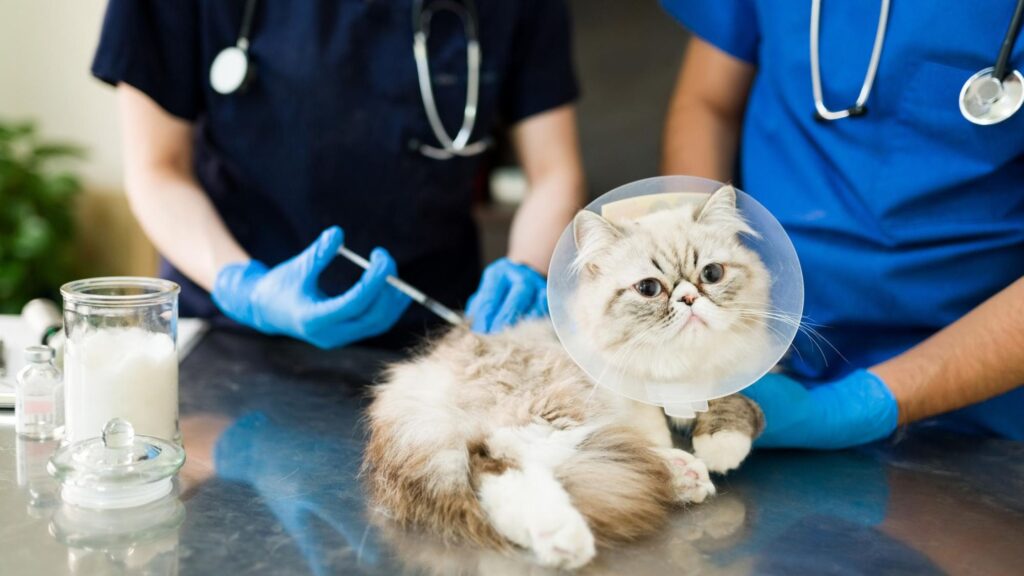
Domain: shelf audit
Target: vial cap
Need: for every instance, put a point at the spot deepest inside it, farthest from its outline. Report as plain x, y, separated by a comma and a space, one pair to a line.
39, 353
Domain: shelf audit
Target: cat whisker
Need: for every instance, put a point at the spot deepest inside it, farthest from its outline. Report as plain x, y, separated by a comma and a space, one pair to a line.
812, 334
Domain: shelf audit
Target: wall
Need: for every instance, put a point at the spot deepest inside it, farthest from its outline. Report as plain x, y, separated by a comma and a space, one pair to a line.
627, 55
46, 48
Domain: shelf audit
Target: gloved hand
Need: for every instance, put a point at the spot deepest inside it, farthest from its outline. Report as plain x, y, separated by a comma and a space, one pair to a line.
286, 299
854, 410
508, 293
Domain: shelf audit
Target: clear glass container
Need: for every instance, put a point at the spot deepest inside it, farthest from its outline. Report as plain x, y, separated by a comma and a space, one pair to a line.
38, 405
117, 470
126, 541
120, 357
42, 490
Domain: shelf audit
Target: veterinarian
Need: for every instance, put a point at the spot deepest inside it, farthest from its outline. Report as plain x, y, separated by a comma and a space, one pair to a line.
902, 190
259, 136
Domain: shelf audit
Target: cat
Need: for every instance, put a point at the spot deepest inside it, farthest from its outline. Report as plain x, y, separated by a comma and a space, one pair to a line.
501, 440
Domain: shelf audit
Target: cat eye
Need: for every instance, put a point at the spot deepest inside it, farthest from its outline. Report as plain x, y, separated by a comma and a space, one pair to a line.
648, 287
712, 273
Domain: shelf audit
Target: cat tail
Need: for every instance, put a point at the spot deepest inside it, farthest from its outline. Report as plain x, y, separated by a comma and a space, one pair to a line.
426, 488
620, 484
416, 466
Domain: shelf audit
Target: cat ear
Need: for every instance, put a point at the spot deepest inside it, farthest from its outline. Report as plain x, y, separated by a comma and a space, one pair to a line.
593, 235
720, 210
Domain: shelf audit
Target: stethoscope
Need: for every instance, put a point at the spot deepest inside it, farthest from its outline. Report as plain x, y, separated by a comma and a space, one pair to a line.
232, 72
990, 96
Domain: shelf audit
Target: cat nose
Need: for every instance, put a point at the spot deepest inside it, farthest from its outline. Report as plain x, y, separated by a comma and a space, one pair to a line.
688, 299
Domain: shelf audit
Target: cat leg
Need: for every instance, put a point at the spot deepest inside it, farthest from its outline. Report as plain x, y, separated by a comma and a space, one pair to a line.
722, 436
621, 485
650, 421
690, 477
529, 506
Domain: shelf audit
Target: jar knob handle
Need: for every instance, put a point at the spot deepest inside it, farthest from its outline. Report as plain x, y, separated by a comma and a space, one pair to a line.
118, 433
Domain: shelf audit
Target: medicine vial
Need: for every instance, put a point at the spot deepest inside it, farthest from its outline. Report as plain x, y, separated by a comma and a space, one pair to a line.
39, 396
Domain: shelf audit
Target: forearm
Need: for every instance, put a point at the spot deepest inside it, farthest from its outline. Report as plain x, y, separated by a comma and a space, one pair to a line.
705, 114
698, 140
548, 150
183, 224
168, 202
540, 220
977, 357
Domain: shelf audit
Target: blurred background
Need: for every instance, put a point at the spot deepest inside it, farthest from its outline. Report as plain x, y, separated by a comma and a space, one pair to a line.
63, 213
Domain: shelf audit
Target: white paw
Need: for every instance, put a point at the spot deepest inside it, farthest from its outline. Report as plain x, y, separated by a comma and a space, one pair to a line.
562, 539
689, 476
723, 450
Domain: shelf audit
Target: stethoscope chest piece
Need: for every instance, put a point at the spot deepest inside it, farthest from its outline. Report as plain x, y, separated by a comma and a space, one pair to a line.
230, 70
984, 100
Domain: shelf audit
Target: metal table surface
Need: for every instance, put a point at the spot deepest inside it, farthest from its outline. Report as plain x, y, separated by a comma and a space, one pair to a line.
273, 434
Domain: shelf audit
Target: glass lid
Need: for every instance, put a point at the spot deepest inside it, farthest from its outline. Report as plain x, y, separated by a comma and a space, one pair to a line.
116, 470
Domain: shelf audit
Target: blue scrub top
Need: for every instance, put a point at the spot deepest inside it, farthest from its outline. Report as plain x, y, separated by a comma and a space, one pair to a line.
904, 219
326, 132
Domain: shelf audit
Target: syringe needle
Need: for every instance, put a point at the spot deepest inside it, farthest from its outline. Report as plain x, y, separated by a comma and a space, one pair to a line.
405, 288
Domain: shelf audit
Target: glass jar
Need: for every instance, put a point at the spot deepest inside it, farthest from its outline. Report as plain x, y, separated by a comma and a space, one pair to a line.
120, 359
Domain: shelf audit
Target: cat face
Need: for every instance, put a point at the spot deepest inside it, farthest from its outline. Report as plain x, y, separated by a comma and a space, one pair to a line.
672, 293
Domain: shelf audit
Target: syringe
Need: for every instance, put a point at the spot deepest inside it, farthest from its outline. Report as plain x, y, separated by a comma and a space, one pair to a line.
400, 285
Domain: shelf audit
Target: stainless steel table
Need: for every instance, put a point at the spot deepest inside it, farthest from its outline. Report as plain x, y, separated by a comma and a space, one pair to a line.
273, 434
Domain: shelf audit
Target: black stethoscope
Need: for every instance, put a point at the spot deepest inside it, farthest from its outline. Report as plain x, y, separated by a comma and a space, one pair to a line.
990, 96
231, 72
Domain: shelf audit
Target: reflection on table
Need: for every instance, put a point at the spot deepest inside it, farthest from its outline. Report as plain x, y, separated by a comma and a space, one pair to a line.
274, 440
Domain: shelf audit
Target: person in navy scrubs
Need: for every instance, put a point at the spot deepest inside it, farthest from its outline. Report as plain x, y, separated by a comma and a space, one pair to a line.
908, 219
248, 195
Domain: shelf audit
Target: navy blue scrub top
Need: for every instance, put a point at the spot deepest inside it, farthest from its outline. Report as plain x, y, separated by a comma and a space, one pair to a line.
904, 219
324, 134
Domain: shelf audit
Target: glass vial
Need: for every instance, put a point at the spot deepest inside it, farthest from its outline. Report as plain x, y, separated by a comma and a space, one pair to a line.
39, 405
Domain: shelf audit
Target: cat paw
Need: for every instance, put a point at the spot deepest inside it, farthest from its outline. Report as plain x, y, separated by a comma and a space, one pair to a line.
562, 540
689, 476
723, 450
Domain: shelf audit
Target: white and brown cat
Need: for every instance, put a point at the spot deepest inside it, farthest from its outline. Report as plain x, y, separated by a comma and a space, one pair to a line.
501, 440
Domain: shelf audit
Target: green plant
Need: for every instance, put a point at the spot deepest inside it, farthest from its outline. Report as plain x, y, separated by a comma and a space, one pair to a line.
36, 215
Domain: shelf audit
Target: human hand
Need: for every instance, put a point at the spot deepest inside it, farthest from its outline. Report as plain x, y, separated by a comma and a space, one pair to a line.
286, 299
508, 293
854, 410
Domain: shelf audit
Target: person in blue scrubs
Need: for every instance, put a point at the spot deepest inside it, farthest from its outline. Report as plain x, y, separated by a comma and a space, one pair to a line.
248, 195
908, 220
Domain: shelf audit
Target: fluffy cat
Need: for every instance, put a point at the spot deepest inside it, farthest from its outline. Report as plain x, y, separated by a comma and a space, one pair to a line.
501, 440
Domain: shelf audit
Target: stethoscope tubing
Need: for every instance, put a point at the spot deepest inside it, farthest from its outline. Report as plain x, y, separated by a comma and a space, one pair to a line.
458, 146
231, 71
1000, 71
821, 111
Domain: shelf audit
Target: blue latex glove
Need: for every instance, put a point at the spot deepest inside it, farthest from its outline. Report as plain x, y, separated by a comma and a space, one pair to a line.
854, 410
508, 292
286, 299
